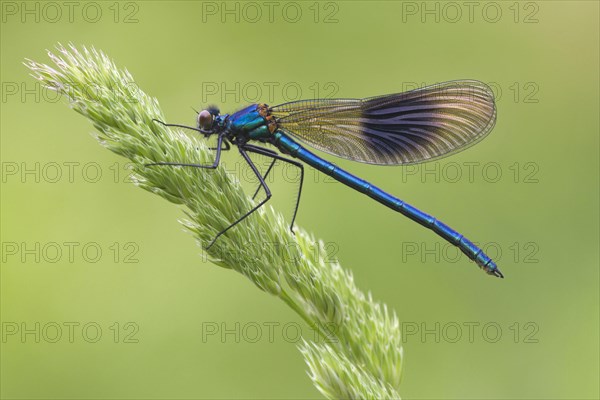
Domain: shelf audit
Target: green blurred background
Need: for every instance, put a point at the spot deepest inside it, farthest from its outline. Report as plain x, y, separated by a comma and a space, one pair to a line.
175, 326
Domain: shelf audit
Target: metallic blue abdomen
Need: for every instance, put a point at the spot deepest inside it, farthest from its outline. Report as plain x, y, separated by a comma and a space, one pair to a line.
289, 146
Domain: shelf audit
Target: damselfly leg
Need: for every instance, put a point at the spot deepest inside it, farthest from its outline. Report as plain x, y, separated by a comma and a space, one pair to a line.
220, 143
259, 205
275, 156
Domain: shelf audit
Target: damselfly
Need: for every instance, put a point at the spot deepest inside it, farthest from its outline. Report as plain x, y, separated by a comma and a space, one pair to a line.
398, 129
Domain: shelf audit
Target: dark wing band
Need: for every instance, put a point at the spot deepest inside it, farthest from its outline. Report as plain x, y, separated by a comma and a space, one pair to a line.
404, 128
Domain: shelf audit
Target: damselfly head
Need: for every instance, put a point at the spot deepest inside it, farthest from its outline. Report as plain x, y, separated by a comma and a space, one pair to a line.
206, 120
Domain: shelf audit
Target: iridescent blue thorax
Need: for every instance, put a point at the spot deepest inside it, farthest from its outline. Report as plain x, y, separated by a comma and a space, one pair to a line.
250, 123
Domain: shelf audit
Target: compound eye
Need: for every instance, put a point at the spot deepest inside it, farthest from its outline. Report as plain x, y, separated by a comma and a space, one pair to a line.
205, 120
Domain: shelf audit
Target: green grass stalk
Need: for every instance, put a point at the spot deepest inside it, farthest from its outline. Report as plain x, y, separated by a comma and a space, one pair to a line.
362, 356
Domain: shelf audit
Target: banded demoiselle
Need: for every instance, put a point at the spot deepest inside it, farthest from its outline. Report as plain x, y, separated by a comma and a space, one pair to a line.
397, 129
